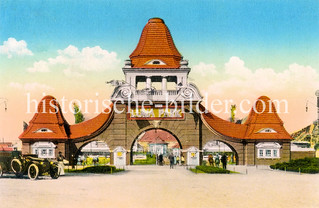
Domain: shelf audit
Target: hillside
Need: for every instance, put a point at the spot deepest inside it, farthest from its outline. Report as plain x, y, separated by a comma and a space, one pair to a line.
309, 134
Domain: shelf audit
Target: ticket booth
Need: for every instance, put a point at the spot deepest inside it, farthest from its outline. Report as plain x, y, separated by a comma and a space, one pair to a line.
119, 157
192, 156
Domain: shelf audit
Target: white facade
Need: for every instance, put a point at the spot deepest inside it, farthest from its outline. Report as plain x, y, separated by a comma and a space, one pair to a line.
171, 85
268, 150
43, 149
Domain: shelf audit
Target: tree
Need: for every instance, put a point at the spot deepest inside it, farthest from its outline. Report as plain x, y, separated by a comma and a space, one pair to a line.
78, 114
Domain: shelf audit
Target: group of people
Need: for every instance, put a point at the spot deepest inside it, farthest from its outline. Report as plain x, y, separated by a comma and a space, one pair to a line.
217, 160
173, 160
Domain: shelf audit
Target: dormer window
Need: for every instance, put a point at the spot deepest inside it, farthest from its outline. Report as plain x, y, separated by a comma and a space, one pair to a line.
43, 130
155, 62
267, 130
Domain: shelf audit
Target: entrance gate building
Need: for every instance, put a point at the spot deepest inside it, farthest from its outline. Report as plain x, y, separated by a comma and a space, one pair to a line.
156, 94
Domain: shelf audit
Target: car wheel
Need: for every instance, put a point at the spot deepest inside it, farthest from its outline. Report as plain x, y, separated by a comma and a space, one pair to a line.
54, 172
33, 171
16, 166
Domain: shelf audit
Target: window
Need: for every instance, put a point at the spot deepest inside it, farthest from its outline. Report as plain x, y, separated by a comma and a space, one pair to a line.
268, 153
267, 130
50, 152
43, 130
44, 152
155, 62
261, 153
36, 151
268, 150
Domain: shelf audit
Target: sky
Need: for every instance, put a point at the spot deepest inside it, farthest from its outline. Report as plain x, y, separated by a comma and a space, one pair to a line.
237, 50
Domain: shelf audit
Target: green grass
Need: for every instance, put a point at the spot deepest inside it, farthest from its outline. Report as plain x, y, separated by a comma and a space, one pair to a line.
149, 161
209, 169
95, 169
306, 165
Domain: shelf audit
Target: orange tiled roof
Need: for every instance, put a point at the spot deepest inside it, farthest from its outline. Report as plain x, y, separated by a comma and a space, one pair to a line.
91, 126
255, 123
223, 127
164, 135
156, 42
265, 116
49, 118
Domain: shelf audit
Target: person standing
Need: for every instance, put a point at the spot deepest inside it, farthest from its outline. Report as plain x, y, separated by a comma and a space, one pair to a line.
60, 159
171, 161
224, 161
217, 161
160, 159
211, 160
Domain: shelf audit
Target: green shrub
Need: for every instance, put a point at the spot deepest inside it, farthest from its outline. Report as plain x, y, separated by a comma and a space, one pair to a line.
97, 169
149, 161
306, 165
210, 169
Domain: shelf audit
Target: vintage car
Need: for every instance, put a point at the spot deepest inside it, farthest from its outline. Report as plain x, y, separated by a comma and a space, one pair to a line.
28, 164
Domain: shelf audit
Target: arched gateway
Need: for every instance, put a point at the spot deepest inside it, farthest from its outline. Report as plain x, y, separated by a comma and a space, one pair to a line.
156, 94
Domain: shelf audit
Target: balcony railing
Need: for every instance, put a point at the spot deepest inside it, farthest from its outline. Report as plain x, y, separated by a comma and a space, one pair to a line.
155, 92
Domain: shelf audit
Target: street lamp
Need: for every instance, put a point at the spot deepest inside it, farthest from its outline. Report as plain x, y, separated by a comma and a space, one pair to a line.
156, 124
317, 94
4, 101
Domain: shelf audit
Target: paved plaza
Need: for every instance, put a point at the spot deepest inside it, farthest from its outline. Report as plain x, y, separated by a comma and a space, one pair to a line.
159, 186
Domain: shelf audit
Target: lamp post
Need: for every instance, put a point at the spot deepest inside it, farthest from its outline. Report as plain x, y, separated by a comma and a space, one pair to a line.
156, 124
317, 94
4, 101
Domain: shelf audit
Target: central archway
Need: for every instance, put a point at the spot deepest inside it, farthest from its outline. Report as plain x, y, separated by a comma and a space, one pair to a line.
153, 143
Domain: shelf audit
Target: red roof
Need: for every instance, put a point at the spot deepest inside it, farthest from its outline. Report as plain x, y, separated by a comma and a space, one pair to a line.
6, 146
157, 140
50, 118
256, 122
156, 43
158, 133
91, 126
265, 116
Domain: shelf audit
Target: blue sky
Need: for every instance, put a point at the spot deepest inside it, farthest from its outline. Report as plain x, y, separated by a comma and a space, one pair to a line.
202, 30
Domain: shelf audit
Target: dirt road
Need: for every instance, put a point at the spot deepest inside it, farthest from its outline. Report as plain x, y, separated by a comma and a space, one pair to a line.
154, 186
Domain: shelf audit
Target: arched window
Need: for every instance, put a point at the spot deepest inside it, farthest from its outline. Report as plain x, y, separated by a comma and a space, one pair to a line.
155, 62
43, 130
267, 130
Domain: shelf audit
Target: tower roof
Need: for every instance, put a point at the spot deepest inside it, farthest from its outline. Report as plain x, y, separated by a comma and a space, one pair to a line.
156, 48
263, 122
48, 122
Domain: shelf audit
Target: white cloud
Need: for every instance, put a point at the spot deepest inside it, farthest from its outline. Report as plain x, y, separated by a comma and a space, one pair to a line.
13, 47
74, 62
39, 66
237, 78
33, 86
295, 84
204, 69
69, 73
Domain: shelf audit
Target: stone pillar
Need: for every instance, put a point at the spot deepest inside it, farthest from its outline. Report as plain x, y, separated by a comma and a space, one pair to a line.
164, 85
148, 82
